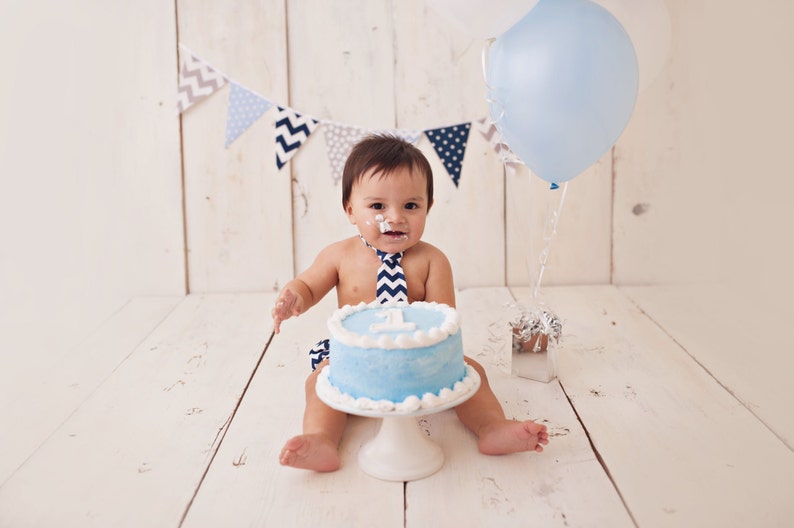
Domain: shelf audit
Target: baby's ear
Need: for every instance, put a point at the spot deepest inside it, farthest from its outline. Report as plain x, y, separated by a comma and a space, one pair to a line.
349, 213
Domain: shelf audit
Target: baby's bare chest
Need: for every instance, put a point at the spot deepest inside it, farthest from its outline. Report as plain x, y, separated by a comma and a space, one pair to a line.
358, 282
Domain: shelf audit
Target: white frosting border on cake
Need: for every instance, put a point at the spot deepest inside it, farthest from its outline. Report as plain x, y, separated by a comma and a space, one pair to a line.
412, 404
450, 326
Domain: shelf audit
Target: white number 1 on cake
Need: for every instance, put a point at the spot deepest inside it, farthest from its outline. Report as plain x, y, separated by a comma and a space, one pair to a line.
394, 322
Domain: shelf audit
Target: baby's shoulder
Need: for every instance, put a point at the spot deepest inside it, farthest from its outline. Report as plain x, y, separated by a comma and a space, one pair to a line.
341, 249
428, 252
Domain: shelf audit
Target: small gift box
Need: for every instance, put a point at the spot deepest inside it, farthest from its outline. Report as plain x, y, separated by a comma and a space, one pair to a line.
535, 337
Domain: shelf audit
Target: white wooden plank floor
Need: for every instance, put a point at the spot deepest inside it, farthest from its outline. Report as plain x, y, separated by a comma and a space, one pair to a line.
183, 405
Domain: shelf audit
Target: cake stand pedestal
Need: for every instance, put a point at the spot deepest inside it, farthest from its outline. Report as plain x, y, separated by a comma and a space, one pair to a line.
401, 451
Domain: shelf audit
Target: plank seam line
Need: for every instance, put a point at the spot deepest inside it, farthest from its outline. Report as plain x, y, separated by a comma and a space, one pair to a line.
225, 429
98, 385
183, 197
598, 455
710, 374
612, 217
405, 504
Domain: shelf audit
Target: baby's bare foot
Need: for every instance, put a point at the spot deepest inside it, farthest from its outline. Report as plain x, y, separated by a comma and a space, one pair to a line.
310, 452
510, 437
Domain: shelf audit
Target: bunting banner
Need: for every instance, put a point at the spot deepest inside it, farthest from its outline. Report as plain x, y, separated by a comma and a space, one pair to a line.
245, 108
339, 140
197, 80
492, 136
450, 145
292, 130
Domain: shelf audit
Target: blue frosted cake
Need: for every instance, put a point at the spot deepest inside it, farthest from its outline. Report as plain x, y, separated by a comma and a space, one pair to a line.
384, 355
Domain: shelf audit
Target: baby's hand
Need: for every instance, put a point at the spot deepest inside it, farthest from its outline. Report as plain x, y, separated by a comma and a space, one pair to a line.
287, 305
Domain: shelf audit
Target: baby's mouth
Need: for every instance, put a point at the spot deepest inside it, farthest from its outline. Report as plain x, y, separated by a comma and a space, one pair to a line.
396, 234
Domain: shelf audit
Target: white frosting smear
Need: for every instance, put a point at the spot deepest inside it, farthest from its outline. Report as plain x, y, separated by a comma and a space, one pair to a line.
383, 225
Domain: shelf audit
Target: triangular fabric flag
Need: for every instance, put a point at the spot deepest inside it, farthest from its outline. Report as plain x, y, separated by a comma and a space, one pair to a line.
450, 145
492, 136
292, 129
197, 80
245, 107
339, 140
411, 136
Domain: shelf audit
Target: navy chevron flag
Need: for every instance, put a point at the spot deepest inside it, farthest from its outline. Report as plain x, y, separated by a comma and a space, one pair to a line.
391, 279
292, 129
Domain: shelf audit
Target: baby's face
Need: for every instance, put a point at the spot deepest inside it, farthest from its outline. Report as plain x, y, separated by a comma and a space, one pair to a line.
390, 211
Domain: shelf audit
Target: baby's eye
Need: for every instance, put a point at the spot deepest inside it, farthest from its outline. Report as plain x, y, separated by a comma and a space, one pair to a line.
376, 206
411, 205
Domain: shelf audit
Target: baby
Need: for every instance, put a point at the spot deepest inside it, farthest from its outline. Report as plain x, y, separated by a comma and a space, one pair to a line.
387, 191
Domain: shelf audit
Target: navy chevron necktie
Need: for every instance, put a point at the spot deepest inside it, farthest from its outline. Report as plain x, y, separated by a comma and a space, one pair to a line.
391, 284
391, 279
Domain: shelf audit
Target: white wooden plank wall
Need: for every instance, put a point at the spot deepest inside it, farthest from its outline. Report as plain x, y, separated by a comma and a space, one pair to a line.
575, 255
702, 188
438, 81
237, 205
341, 68
377, 65
89, 160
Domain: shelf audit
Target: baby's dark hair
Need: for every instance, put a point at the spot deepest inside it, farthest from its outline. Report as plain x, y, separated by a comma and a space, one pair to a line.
384, 154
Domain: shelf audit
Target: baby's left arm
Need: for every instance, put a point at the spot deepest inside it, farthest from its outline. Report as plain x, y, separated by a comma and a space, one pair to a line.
440, 286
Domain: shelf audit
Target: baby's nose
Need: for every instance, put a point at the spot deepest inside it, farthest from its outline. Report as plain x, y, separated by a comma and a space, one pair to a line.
395, 215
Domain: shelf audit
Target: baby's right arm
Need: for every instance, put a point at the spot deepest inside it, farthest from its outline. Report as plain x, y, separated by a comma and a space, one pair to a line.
288, 304
303, 292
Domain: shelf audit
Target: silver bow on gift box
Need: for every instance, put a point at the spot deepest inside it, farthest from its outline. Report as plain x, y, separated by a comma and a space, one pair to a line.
535, 334
533, 330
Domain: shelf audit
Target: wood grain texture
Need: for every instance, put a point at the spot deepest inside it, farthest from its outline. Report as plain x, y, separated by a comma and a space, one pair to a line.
707, 143
680, 448
246, 486
134, 452
579, 251
741, 348
40, 392
238, 206
438, 82
90, 156
563, 486
340, 70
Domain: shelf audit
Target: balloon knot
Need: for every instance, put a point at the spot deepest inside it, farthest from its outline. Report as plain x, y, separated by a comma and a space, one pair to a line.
554, 186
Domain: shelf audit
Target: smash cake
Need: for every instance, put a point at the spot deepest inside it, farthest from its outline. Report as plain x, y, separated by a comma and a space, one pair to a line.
395, 357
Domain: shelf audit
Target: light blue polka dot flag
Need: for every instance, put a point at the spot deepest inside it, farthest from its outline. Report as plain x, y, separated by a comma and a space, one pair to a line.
450, 145
245, 107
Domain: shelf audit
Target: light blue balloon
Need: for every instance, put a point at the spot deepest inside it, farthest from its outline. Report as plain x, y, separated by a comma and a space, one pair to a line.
562, 86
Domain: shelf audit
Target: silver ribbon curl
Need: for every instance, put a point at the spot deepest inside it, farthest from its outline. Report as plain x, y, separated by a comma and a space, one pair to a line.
535, 324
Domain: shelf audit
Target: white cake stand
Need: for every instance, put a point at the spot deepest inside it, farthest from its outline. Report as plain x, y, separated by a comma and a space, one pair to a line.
400, 451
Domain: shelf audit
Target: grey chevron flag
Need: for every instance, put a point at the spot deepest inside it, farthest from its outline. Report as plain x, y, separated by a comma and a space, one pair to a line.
197, 80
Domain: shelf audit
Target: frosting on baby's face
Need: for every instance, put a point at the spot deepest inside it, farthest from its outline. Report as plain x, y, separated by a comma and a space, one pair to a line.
390, 212
383, 225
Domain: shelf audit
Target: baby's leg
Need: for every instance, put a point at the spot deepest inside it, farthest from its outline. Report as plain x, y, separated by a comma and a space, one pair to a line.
317, 447
483, 415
